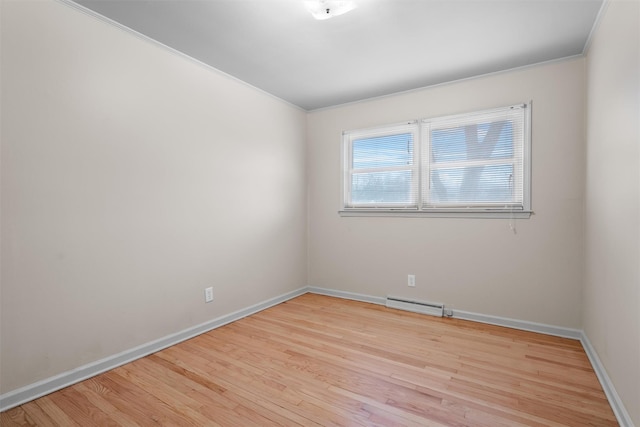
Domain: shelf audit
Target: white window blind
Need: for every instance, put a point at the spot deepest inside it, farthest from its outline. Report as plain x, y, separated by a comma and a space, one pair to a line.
469, 163
474, 160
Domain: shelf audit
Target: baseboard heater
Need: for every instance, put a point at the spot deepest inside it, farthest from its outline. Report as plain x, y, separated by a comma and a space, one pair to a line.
430, 308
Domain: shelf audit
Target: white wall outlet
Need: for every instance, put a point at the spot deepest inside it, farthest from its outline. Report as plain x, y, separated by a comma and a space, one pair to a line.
208, 294
411, 280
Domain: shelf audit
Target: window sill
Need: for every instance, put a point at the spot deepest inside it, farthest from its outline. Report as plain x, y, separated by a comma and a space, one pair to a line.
440, 213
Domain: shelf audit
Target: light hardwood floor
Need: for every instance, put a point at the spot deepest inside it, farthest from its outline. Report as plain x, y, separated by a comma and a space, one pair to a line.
317, 360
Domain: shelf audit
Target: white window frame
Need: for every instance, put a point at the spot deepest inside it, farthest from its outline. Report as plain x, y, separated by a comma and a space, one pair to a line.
405, 127
422, 174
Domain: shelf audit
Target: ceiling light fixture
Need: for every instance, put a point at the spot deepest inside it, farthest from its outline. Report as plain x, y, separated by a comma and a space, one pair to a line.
325, 9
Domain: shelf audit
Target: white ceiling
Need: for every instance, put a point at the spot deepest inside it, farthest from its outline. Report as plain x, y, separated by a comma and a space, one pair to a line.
382, 47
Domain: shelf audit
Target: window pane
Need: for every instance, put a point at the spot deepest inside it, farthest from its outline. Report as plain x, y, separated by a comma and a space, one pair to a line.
493, 140
382, 187
472, 161
383, 151
472, 185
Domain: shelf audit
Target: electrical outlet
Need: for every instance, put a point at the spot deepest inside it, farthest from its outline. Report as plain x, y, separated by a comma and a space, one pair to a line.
411, 280
208, 294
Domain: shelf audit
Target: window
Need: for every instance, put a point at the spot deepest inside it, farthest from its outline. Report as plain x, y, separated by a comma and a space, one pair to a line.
475, 163
383, 170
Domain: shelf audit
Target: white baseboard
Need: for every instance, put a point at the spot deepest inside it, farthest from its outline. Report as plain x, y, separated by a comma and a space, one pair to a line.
619, 410
49, 385
523, 325
346, 295
614, 399
65, 379
465, 315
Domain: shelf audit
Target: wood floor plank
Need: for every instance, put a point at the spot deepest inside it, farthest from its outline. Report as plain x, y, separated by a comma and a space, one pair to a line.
80, 409
95, 393
323, 361
37, 415
243, 393
58, 416
16, 417
182, 404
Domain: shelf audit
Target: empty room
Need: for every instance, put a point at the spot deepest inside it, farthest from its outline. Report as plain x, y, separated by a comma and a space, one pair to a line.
320, 212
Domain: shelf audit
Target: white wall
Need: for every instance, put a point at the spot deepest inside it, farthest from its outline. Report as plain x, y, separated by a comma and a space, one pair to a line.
611, 310
133, 178
534, 275
117, 210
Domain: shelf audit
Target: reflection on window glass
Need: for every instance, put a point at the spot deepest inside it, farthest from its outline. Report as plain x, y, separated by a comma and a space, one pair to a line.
468, 164
381, 187
484, 141
475, 184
